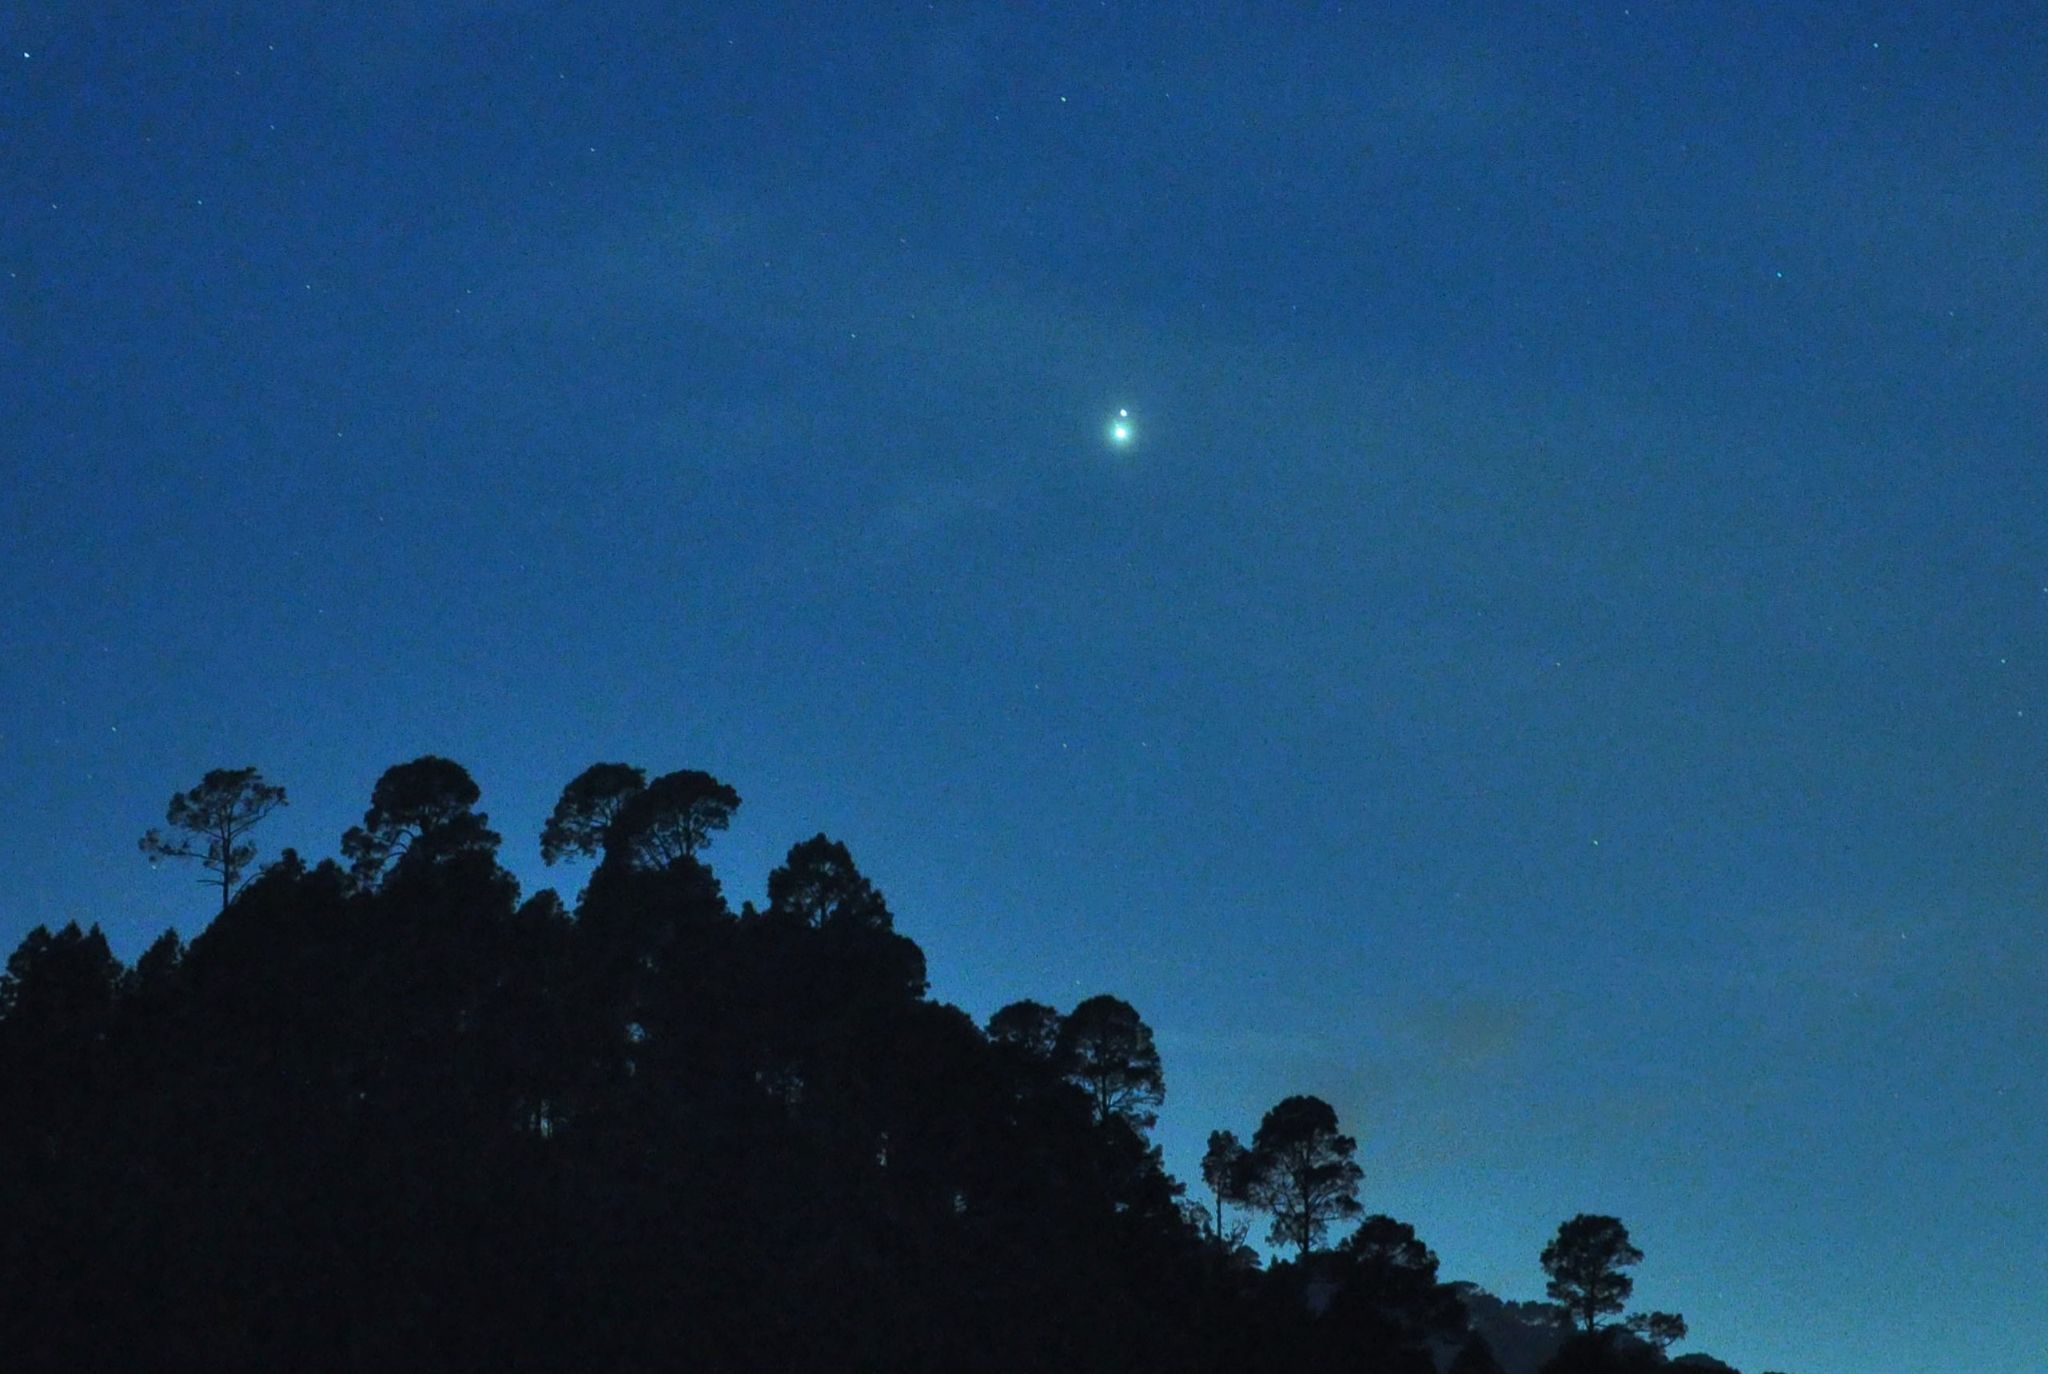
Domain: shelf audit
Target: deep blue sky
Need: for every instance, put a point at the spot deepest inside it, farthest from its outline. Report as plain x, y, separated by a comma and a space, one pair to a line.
1563, 673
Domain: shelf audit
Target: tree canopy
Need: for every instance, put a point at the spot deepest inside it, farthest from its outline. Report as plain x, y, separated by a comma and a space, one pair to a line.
60, 982
216, 817
1302, 1171
420, 812
1585, 1262
670, 818
1030, 1028
1661, 1329
818, 885
1226, 1168
1106, 1048
583, 816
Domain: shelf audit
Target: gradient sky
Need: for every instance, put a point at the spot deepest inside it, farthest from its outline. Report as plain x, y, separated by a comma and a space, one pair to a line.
1562, 674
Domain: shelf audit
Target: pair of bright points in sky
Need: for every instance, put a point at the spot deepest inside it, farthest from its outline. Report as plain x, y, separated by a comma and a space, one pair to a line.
1122, 431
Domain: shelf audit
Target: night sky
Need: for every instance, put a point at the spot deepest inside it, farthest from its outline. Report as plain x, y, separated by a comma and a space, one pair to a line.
1560, 669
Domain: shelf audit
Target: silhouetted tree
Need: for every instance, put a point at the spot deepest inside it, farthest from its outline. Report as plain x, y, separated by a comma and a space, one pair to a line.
155, 979
1225, 1168
584, 812
1031, 1028
60, 983
217, 817
1391, 1297
419, 812
1661, 1329
670, 818
818, 885
57, 1012
1106, 1048
1697, 1363
1585, 1262
1302, 1171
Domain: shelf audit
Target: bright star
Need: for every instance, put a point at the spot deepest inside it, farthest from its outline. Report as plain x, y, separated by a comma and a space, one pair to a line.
1121, 431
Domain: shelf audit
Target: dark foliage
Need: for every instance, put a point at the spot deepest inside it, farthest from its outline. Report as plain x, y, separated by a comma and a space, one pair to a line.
1703, 1364
392, 1117
670, 818
420, 813
1608, 1350
1226, 1168
583, 816
1475, 1356
819, 886
1031, 1029
1585, 1262
215, 819
1301, 1171
1661, 1329
1106, 1048
1521, 1335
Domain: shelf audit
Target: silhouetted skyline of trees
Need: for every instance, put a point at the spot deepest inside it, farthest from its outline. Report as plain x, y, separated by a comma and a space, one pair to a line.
391, 1115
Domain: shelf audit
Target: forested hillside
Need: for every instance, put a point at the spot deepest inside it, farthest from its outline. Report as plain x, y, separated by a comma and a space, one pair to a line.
382, 1113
